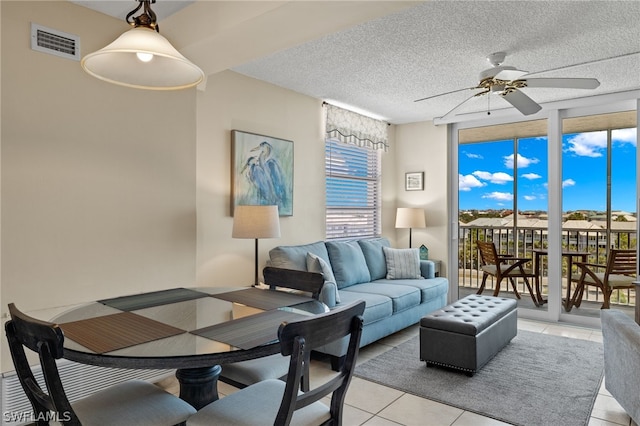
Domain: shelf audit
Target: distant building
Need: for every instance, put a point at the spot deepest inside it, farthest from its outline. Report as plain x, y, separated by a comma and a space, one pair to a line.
534, 231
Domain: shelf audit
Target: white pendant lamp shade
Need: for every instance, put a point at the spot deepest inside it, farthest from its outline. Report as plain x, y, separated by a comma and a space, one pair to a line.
143, 59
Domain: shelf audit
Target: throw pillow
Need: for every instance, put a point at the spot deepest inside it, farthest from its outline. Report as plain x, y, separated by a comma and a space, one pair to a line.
348, 263
402, 263
317, 264
295, 257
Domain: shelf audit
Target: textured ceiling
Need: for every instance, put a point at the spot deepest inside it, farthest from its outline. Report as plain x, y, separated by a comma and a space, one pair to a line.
383, 65
381, 56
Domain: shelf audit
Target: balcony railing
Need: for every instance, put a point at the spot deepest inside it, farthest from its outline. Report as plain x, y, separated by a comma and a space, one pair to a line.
522, 241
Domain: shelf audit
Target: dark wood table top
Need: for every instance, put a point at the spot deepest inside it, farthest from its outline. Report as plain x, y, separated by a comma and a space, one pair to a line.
563, 253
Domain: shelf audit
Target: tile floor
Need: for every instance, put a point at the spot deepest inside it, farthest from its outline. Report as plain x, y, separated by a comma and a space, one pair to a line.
370, 404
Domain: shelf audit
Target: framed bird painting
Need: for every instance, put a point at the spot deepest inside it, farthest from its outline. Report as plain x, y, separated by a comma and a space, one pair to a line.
261, 171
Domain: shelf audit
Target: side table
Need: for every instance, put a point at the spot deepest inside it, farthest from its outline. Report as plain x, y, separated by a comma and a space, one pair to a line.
436, 266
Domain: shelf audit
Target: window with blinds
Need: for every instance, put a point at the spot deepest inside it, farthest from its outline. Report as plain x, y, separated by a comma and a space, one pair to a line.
353, 190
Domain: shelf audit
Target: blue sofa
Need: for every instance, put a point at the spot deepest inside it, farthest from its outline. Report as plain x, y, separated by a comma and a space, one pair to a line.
369, 269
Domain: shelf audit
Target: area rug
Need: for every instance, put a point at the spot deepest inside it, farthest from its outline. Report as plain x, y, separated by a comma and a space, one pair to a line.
537, 379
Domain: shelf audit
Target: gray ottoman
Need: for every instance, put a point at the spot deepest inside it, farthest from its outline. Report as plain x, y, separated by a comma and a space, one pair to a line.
466, 334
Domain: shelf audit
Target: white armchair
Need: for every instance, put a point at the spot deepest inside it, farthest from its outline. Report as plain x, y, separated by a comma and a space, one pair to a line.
621, 339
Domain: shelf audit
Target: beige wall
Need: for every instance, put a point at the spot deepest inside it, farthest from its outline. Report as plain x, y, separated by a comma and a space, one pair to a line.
98, 181
108, 190
232, 101
423, 147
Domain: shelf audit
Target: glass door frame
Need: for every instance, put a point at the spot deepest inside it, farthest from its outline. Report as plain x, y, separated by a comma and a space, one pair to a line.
554, 113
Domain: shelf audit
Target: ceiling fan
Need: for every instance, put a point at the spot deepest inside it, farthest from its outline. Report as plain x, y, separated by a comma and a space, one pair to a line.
507, 81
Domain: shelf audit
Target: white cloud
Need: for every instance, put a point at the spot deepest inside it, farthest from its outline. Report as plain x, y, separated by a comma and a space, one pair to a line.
530, 197
500, 196
568, 182
625, 136
589, 144
476, 156
531, 176
522, 161
467, 182
499, 178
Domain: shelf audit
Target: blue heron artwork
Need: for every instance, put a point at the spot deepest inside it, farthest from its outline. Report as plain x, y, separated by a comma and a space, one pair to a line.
262, 172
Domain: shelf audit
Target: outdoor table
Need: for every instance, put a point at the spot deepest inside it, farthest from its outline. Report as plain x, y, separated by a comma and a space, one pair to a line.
569, 255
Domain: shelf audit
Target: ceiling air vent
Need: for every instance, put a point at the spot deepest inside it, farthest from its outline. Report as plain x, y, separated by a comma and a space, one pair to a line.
55, 42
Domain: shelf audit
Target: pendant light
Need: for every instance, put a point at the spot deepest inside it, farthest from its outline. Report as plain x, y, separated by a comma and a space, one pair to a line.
142, 58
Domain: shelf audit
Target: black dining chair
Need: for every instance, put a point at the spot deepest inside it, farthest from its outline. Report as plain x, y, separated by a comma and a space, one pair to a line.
245, 373
134, 402
283, 403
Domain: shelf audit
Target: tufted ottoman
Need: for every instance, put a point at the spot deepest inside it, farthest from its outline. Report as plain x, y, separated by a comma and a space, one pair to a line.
468, 333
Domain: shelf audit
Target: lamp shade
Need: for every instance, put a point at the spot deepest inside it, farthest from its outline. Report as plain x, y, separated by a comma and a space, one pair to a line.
256, 222
410, 217
143, 59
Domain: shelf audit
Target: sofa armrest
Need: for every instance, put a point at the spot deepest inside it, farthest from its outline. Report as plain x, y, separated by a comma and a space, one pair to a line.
427, 269
329, 294
621, 342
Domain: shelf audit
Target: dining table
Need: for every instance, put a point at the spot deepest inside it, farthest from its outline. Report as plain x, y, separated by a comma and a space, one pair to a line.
191, 330
567, 254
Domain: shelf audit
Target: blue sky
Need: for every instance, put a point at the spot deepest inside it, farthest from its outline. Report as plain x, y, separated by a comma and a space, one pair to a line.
486, 173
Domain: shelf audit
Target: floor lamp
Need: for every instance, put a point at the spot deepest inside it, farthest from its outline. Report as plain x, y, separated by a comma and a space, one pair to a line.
256, 222
410, 217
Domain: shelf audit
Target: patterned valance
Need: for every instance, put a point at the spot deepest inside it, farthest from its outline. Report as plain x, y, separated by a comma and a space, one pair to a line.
356, 129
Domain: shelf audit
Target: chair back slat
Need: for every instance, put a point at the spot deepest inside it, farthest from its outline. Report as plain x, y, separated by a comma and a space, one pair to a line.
299, 338
311, 282
622, 262
488, 253
46, 339
619, 262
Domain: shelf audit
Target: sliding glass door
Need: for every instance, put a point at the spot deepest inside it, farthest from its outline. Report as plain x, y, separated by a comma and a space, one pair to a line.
502, 198
503, 194
599, 197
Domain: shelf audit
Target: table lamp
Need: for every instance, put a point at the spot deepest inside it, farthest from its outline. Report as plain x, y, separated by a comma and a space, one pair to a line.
256, 222
410, 217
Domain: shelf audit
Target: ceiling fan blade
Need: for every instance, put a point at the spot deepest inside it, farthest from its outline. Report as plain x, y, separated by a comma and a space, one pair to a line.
563, 83
522, 102
457, 106
446, 93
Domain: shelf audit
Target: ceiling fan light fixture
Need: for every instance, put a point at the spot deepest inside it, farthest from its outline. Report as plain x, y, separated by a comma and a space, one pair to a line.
142, 58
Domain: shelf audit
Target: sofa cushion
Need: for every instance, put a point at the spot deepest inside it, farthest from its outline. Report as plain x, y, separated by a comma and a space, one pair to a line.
295, 257
402, 296
377, 307
348, 263
374, 256
402, 263
429, 289
317, 264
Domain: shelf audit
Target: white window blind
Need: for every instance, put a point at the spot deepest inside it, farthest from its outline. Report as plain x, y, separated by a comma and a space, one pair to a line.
353, 190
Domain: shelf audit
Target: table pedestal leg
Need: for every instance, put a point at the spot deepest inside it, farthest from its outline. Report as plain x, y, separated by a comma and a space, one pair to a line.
199, 386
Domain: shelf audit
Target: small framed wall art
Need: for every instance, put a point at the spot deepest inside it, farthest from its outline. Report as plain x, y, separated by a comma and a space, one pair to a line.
261, 171
414, 181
